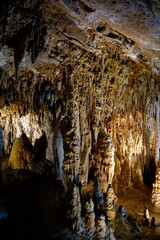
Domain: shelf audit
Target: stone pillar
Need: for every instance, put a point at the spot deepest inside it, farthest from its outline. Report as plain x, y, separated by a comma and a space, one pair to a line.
109, 205
90, 215
156, 189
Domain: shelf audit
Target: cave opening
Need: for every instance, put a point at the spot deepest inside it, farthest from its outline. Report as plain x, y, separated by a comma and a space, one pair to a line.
149, 172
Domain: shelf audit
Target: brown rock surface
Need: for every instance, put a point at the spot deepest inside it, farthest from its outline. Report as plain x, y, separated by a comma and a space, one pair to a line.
156, 189
21, 156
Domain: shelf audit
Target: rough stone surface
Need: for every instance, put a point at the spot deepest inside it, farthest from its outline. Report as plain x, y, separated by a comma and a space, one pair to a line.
23, 156
156, 189
90, 214
127, 228
109, 205
74, 209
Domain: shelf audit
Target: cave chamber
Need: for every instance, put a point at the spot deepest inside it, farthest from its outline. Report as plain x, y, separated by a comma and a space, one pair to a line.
79, 119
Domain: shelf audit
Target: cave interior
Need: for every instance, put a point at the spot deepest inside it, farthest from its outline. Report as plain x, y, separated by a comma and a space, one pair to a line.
80, 119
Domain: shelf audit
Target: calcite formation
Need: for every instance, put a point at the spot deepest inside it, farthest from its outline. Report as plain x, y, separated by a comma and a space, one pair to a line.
110, 205
156, 189
25, 156
74, 208
83, 76
21, 154
90, 214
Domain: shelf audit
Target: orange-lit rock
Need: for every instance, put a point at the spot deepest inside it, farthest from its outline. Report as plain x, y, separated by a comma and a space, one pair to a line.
22, 154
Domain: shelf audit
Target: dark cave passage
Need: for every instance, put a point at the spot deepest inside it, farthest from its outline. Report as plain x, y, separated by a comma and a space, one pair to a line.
149, 172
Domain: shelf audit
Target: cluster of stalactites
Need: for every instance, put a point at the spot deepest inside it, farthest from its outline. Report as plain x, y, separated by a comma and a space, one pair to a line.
29, 94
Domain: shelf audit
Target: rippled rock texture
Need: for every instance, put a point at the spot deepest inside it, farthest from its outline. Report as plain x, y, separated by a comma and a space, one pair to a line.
85, 74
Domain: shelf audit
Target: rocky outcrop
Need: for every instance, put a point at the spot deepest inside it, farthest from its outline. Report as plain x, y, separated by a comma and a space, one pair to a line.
24, 157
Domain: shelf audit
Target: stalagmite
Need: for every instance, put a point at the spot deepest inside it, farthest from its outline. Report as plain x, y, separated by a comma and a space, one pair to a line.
109, 205
90, 214
101, 228
24, 157
74, 209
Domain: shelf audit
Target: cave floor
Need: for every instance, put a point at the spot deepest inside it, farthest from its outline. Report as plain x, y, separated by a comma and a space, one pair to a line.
134, 201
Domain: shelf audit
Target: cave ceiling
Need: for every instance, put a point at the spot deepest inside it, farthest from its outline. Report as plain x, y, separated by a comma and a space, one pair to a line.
133, 25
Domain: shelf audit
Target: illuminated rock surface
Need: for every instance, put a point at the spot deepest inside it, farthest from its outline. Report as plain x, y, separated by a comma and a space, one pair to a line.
81, 80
